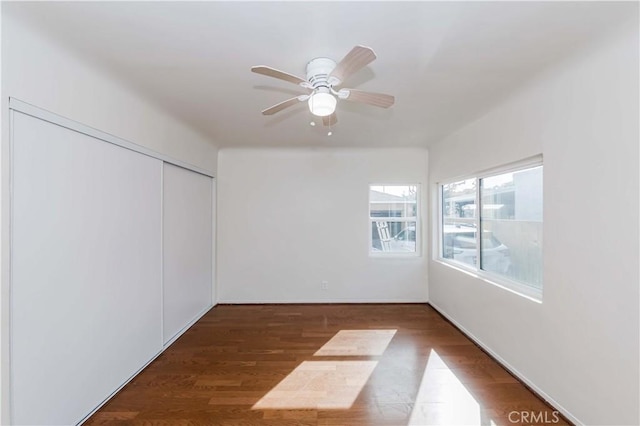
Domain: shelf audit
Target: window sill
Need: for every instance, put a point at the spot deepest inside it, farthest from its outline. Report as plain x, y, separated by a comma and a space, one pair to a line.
522, 290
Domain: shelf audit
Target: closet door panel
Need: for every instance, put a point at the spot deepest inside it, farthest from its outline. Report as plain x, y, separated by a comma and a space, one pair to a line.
187, 247
86, 270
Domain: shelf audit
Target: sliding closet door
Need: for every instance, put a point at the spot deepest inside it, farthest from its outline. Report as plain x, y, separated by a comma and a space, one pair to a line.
187, 247
86, 267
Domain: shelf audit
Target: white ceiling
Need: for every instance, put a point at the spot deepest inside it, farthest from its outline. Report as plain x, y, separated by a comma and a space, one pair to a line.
446, 62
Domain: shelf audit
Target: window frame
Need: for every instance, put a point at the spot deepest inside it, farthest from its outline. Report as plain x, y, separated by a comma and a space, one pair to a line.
475, 270
415, 219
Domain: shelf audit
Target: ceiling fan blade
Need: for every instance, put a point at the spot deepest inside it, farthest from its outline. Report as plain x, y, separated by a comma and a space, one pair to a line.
272, 72
376, 99
282, 105
359, 57
330, 120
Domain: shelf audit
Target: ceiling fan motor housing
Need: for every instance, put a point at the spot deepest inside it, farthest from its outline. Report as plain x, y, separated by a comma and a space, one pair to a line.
318, 71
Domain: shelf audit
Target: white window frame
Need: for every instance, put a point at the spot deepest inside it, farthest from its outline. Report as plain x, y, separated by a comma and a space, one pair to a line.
475, 270
415, 219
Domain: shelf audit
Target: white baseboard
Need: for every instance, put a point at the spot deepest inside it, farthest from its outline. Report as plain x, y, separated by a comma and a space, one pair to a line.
315, 301
510, 368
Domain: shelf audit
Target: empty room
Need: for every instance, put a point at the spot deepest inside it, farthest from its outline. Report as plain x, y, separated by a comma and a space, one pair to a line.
320, 213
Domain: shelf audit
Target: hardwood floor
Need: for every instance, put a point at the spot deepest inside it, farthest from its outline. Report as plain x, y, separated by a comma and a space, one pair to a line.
396, 364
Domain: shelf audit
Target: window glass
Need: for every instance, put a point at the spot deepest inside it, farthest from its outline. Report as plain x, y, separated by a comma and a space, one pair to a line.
509, 222
512, 217
392, 201
393, 212
458, 221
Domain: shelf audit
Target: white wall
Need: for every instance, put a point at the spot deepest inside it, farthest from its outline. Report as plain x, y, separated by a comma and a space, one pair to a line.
39, 72
289, 219
580, 346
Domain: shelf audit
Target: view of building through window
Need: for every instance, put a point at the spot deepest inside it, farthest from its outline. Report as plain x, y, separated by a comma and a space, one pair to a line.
393, 210
458, 221
510, 222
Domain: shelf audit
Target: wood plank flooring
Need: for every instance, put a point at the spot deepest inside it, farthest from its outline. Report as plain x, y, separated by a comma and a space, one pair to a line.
388, 364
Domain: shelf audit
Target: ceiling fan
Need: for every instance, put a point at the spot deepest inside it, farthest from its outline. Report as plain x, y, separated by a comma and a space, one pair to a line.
324, 76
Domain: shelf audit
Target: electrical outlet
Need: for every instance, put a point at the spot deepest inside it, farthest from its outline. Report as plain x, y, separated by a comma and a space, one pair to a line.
324, 285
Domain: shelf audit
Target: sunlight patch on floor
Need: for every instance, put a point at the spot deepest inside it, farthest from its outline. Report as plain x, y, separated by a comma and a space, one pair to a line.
442, 399
319, 385
357, 343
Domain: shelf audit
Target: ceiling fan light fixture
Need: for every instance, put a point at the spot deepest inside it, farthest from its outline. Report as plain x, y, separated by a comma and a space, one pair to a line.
323, 76
322, 104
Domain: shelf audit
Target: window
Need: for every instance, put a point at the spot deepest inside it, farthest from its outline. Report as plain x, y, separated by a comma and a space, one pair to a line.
393, 212
509, 221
